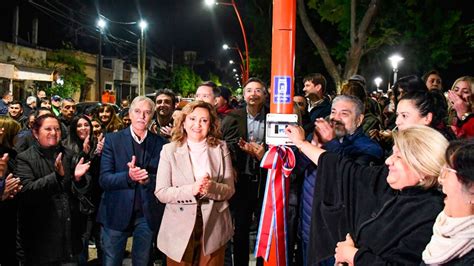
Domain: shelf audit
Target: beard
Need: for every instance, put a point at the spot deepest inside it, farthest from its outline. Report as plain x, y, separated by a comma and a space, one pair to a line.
339, 128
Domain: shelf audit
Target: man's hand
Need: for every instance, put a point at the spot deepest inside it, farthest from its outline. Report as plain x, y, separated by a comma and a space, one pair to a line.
295, 134
324, 129
252, 148
166, 130
136, 173
12, 187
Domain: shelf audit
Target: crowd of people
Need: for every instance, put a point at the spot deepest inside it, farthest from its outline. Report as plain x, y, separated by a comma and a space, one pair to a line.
379, 178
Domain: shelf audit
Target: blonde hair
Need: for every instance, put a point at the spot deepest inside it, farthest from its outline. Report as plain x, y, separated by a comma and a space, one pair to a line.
178, 134
422, 148
468, 79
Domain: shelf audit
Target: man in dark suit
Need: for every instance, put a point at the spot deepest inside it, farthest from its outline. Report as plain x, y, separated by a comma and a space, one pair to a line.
319, 102
244, 131
128, 175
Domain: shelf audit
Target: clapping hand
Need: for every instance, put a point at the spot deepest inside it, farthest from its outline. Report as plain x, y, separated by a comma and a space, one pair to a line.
100, 144
12, 187
166, 130
202, 185
86, 147
324, 130
3, 164
81, 169
253, 148
58, 164
136, 173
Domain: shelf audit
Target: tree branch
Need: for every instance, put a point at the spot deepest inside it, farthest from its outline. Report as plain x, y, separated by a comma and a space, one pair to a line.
319, 43
367, 21
353, 21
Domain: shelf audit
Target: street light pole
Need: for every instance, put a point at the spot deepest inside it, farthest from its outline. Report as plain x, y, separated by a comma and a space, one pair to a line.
142, 58
378, 81
394, 60
247, 59
242, 67
101, 25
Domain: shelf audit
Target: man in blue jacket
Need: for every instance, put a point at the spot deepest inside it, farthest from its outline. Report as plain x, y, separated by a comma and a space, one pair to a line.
128, 175
344, 135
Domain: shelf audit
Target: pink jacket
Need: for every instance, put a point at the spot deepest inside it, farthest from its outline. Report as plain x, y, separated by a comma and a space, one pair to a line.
174, 181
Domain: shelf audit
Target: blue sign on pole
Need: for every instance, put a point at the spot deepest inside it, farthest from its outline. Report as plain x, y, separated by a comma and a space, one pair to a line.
282, 89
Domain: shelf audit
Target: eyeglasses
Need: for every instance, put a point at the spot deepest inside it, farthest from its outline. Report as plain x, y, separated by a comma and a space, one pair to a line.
444, 170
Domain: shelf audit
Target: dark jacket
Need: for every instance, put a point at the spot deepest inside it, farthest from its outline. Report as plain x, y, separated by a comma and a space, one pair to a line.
388, 227
49, 221
322, 110
117, 205
357, 147
234, 127
8, 210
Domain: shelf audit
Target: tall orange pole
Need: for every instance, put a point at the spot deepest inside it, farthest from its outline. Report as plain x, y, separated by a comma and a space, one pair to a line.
283, 56
283, 64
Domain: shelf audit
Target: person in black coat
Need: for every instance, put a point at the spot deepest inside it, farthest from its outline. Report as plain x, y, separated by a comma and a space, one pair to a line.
81, 141
390, 210
49, 221
8, 201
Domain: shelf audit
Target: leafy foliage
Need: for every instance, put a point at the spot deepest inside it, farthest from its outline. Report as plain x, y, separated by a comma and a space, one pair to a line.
71, 68
184, 80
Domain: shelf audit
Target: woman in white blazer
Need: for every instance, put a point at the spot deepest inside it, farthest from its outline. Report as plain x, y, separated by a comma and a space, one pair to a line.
195, 179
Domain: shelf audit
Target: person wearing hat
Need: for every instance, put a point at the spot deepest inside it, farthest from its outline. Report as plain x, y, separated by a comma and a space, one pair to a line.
358, 78
222, 101
56, 105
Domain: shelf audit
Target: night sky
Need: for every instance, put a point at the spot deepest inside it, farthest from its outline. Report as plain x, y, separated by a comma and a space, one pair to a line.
173, 24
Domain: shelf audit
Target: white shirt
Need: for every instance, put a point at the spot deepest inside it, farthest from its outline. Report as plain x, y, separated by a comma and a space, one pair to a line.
136, 138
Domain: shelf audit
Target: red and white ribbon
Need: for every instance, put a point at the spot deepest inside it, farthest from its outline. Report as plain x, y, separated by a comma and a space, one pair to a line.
280, 160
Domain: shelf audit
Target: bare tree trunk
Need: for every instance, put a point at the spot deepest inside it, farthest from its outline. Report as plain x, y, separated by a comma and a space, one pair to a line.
358, 40
357, 50
319, 43
353, 22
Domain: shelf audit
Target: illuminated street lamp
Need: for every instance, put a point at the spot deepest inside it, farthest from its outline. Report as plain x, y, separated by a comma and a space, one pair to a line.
243, 69
231, 62
394, 60
142, 58
244, 35
378, 81
101, 24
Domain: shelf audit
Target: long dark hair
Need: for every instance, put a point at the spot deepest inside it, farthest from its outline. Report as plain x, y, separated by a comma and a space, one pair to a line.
73, 142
